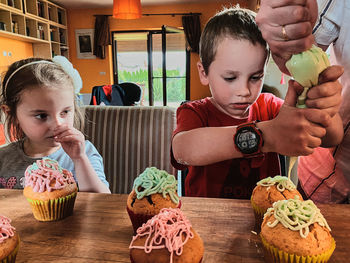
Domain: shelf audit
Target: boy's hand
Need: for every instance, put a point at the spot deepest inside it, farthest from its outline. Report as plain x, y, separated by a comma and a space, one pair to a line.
327, 95
72, 141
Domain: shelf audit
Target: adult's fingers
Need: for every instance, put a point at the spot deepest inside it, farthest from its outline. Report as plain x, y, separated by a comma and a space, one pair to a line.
331, 73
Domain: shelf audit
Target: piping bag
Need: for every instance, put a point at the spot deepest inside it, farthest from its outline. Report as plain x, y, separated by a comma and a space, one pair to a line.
305, 68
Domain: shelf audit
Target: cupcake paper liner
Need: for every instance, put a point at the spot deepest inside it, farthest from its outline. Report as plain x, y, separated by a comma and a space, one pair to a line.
53, 210
132, 261
138, 219
258, 214
12, 257
275, 255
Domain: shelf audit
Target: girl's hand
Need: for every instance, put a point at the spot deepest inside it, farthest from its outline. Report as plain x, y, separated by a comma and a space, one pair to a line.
72, 141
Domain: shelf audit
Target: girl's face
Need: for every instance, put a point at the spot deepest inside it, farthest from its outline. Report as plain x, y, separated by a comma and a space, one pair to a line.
235, 77
40, 111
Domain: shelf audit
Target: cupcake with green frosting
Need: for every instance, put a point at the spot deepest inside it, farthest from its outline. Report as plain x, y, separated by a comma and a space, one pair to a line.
295, 231
153, 190
268, 191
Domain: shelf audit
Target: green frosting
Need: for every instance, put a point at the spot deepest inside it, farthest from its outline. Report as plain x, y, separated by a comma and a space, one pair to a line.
296, 215
153, 181
282, 183
305, 68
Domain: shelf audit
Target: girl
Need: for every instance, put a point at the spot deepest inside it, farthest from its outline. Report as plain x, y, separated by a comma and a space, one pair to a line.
39, 102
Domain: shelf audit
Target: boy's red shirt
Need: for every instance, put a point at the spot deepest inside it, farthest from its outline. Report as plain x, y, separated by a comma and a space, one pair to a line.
234, 178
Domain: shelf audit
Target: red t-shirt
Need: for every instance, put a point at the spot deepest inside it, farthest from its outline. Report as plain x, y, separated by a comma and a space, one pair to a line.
234, 178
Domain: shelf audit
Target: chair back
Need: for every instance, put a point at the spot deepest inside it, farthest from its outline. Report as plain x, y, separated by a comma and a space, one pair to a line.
130, 139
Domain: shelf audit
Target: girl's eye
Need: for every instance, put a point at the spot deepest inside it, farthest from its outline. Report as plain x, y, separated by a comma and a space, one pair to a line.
65, 112
41, 116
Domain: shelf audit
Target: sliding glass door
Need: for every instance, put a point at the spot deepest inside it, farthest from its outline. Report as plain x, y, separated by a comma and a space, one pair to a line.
156, 60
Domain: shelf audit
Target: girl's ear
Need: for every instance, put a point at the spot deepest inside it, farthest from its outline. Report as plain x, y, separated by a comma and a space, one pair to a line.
202, 75
5, 109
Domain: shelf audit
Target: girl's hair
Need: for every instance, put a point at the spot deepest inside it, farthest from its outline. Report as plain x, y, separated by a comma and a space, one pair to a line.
236, 23
46, 74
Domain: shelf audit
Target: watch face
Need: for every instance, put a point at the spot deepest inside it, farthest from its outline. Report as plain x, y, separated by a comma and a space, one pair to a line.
247, 140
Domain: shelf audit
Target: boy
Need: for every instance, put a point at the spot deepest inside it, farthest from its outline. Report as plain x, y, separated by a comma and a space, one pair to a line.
231, 140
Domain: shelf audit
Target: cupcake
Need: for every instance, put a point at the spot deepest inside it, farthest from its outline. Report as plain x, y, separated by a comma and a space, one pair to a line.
167, 237
295, 231
268, 191
152, 190
50, 190
9, 241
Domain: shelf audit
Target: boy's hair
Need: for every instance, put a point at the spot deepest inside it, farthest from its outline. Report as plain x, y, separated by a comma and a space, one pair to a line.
236, 23
46, 74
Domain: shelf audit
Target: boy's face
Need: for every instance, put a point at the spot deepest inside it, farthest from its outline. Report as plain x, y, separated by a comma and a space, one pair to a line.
235, 77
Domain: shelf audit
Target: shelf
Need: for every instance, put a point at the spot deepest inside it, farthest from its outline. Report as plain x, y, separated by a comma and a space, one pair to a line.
40, 22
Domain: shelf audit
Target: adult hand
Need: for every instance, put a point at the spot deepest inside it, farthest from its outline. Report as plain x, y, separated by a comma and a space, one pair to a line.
327, 95
72, 141
287, 25
294, 131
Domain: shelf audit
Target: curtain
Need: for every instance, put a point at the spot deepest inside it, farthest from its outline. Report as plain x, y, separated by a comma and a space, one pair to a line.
102, 37
192, 28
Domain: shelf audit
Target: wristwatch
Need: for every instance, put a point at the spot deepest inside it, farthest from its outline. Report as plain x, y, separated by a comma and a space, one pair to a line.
248, 140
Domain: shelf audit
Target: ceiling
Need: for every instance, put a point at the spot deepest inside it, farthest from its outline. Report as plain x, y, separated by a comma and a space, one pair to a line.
72, 4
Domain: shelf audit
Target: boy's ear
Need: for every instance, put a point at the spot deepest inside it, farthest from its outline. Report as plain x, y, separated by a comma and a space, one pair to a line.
202, 75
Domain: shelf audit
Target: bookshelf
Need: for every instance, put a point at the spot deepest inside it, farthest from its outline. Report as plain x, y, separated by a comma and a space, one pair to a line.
40, 22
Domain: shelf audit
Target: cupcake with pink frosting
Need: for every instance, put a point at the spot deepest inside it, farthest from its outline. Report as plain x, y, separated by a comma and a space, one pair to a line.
9, 241
50, 190
167, 237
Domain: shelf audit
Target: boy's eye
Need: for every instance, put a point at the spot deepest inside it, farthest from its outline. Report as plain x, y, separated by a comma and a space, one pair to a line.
257, 77
41, 116
229, 79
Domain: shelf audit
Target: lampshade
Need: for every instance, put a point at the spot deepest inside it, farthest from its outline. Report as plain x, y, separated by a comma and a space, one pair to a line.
127, 9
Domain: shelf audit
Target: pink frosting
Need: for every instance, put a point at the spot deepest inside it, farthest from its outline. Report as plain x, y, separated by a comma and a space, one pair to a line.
6, 230
47, 175
165, 230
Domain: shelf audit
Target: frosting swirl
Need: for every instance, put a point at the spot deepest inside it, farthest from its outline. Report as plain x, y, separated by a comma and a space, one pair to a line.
6, 230
169, 229
153, 181
282, 183
296, 215
46, 175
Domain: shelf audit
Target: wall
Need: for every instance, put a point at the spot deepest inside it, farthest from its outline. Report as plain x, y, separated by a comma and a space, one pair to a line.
18, 50
100, 71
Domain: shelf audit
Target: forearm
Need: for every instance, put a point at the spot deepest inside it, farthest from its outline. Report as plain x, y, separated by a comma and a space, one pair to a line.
334, 133
203, 146
87, 177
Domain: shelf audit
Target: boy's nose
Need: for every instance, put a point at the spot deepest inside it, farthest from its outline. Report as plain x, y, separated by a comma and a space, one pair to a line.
243, 89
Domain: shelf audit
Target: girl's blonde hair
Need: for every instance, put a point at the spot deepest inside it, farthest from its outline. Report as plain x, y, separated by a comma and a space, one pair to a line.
46, 74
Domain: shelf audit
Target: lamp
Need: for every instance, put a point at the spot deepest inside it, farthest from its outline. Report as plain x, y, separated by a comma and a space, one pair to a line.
127, 9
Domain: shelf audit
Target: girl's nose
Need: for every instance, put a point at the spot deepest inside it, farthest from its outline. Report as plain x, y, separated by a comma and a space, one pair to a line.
56, 122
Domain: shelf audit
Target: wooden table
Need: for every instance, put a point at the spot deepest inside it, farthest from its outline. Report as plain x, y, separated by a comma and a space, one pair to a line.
100, 229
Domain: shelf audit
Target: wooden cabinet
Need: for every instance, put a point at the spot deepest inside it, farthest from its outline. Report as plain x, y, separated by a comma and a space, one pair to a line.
40, 22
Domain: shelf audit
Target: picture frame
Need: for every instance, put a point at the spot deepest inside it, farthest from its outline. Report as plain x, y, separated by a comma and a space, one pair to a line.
84, 39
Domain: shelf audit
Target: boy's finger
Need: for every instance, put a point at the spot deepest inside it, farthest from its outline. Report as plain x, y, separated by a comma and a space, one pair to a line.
294, 90
331, 73
317, 116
